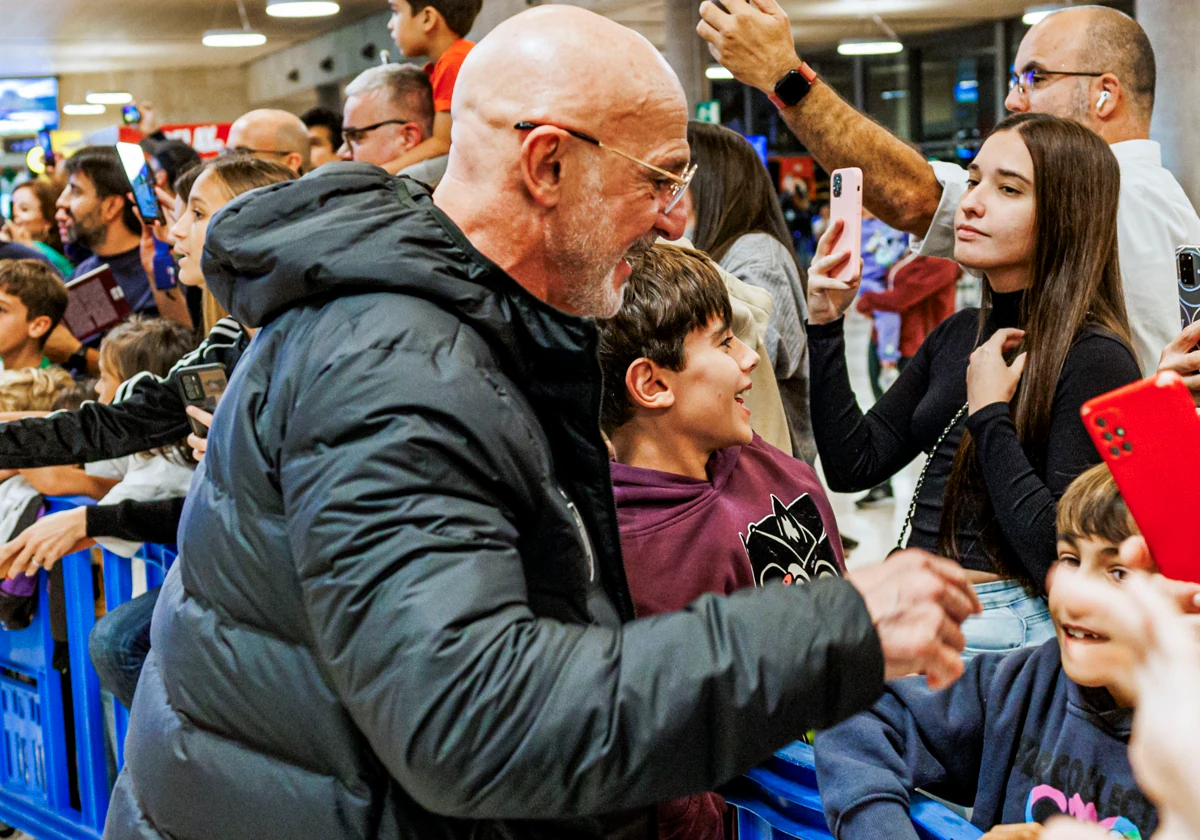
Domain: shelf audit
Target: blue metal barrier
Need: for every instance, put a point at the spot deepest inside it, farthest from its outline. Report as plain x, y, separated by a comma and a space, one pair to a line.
780, 800
36, 770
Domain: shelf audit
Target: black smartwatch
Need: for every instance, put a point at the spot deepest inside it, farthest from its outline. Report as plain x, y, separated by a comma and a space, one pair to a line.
794, 86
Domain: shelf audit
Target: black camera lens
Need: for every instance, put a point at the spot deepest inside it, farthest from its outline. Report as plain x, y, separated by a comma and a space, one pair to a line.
192, 388
837, 185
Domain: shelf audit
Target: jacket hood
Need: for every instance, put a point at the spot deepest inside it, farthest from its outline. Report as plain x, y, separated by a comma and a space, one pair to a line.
351, 228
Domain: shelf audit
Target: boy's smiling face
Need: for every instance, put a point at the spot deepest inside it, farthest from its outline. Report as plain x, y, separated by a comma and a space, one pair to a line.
708, 393
1089, 657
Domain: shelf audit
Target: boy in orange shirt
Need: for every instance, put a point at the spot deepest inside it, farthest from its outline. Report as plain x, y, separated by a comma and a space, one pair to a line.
433, 28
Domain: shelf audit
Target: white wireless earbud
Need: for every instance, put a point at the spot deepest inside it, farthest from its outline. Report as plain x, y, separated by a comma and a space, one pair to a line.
1104, 97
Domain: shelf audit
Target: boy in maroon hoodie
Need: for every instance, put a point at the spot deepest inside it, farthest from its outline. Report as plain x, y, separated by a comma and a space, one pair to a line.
703, 504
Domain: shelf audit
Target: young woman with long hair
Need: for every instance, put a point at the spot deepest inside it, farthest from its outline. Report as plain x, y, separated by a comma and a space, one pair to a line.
739, 223
994, 394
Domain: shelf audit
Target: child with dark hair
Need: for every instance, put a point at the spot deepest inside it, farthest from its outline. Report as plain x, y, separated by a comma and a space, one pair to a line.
1022, 736
436, 29
32, 302
704, 505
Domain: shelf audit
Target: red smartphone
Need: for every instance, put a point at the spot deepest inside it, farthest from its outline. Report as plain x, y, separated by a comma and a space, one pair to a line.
845, 203
1149, 435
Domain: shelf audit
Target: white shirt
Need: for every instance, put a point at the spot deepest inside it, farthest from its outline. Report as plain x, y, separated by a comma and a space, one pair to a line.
1154, 217
144, 478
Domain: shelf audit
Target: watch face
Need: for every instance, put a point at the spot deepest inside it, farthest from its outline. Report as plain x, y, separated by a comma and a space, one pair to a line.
792, 87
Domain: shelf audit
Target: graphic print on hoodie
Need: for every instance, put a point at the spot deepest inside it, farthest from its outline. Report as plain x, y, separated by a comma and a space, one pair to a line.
790, 545
760, 518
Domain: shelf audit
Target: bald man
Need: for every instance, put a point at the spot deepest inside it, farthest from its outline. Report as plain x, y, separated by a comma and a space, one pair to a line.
1091, 64
403, 609
272, 135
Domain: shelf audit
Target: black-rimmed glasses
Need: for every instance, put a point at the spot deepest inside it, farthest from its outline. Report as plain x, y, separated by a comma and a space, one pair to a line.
356, 135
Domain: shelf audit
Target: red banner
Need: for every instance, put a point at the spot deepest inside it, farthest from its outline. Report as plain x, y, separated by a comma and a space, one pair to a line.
208, 139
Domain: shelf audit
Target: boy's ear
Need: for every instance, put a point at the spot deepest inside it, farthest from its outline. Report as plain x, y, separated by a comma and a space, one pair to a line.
430, 18
38, 327
647, 387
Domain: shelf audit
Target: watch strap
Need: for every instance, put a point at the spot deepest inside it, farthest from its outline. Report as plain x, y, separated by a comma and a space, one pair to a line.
804, 70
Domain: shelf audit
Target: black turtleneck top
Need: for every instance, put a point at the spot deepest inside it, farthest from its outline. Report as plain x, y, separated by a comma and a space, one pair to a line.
859, 451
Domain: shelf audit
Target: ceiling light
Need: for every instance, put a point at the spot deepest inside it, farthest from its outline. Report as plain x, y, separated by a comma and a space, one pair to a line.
233, 38
302, 8
73, 109
1036, 14
869, 47
112, 97
718, 73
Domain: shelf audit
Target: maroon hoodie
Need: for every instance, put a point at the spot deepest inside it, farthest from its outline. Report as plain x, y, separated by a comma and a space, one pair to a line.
762, 517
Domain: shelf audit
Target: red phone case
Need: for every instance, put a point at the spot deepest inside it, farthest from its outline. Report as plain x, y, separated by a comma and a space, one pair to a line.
1149, 435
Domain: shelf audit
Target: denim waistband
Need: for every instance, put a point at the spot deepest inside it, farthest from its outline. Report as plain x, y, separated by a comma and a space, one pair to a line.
1007, 593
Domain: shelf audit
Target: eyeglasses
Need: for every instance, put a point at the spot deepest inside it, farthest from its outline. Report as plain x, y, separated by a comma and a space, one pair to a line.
356, 135
246, 150
1028, 79
678, 183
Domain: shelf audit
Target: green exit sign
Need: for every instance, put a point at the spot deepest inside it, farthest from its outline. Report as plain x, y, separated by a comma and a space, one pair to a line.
709, 111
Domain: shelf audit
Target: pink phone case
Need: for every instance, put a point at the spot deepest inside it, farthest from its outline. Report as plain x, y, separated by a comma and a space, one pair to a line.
845, 203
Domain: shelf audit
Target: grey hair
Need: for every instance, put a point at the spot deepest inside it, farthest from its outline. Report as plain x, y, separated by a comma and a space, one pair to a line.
407, 88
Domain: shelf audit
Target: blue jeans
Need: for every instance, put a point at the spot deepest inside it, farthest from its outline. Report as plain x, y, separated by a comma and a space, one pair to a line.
119, 644
1011, 619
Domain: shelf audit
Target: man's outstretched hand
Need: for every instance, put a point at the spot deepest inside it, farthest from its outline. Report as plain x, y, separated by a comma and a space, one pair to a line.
918, 603
752, 38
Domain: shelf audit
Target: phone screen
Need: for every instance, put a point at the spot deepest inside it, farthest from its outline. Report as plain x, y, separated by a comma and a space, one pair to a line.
137, 170
131, 115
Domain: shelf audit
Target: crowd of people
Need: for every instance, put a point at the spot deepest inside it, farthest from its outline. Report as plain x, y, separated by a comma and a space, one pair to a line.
508, 523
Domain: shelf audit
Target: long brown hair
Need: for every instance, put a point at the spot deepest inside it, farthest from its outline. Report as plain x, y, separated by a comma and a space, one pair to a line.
237, 174
1075, 283
47, 195
732, 193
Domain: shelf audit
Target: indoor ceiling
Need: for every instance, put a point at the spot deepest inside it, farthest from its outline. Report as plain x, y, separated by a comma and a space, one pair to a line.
88, 36
77, 36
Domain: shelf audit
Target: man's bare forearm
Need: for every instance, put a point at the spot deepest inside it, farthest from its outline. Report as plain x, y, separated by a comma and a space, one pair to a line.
898, 184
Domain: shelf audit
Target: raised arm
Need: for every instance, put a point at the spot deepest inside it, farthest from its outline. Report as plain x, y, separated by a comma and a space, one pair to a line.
753, 39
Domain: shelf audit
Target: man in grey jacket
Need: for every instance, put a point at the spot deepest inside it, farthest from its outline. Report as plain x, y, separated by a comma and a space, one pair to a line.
400, 608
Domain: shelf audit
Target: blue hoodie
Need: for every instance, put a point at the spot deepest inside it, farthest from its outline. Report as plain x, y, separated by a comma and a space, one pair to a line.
1015, 737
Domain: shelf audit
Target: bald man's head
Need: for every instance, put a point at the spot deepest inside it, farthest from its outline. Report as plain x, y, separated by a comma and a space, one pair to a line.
272, 135
1112, 51
558, 69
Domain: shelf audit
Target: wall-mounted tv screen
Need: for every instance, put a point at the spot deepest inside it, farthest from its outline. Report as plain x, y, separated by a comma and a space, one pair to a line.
28, 105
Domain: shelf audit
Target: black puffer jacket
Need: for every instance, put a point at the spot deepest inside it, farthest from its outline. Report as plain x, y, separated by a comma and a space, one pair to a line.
400, 609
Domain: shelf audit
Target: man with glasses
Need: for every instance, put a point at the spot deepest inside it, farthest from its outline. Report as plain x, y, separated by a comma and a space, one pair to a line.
389, 111
1090, 64
404, 611
271, 135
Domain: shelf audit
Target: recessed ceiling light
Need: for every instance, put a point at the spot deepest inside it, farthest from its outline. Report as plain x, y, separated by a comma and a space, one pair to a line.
302, 8
233, 38
869, 47
74, 109
1036, 14
718, 73
111, 97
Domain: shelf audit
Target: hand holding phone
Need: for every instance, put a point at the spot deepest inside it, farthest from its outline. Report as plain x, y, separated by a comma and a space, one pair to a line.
829, 296
1149, 435
202, 386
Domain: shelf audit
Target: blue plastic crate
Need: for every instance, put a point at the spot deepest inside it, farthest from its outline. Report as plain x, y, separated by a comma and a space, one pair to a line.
24, 749
780, 800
